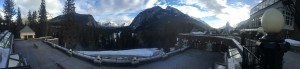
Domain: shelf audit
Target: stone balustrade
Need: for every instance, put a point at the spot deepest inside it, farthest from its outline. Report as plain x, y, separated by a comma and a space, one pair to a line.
100, 60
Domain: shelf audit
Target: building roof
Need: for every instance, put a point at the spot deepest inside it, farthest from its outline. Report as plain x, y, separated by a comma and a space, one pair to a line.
26, 29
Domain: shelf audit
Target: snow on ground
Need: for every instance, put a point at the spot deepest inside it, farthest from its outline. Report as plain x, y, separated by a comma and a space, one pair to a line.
143, 52
293, 42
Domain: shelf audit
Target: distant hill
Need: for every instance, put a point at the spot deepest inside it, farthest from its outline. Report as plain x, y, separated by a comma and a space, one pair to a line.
83, 19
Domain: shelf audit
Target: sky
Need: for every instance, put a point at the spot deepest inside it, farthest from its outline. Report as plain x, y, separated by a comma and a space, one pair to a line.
215, 13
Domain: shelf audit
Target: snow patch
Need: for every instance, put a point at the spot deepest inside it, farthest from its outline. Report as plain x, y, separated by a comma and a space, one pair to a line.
199, 33
144, 52
293, 42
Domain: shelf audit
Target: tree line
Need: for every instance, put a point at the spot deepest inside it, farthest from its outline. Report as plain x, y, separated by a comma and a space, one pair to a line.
36, 20
72, 34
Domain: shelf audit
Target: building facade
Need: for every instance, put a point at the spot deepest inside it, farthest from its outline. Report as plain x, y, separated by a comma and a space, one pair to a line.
27, 33
257, 11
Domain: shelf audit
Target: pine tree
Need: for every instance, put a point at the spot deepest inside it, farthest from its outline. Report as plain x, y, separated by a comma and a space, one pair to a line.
43, 18
34, 24
19, 18
19, 23
69, 29
9, 12
1, 23
69, 7
34, 17
29, 18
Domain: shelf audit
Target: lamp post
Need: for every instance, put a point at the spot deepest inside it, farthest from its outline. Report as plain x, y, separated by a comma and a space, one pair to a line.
271, 45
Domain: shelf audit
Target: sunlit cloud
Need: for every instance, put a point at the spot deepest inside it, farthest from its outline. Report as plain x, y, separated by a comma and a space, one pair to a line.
124, 11
232, 13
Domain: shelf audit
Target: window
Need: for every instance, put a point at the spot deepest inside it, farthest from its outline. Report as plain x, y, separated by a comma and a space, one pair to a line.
259, 22
287, 22
289, 19
255, 21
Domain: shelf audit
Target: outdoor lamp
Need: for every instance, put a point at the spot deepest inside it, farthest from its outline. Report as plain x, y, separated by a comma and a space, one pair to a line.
272, 21
270, 48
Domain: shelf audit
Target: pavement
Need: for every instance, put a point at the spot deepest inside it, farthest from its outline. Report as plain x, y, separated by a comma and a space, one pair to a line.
291, 60
46, 57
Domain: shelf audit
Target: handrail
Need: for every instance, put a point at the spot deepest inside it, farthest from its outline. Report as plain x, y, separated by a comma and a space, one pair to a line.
250, 53
248, 56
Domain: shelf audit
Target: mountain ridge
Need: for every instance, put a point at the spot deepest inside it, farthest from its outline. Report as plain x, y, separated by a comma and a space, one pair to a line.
82, 19
154, 14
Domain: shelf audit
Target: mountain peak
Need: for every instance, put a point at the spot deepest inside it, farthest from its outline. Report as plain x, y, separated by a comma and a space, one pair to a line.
156, 7
82, 19
170, 8
156, 17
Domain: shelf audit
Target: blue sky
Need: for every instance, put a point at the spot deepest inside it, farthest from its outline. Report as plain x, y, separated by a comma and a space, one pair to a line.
214, 12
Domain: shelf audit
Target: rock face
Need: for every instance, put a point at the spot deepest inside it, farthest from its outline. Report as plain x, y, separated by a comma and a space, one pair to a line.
82, 19
156, 16
159, 27
81, 33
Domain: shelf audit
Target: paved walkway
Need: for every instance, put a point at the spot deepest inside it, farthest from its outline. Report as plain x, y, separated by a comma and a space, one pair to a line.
291, 60
46, 57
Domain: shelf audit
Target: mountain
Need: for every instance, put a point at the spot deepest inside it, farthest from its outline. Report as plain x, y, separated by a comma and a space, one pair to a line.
157, 16
157, 27
82, 19
145, 15
227, 29
227, 26
201, 21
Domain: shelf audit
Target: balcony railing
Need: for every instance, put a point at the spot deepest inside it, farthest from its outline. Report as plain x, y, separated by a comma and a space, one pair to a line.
250, 57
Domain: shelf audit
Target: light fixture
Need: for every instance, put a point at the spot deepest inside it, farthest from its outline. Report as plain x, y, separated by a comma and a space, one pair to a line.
272, 21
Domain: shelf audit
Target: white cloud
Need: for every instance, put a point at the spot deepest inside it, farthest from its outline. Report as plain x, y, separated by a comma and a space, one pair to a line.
150, 3
53, 7
120, 11
211, 5
193, 11
102, 10
258, 1
116, 11
1, 13
160, 4
216, 23
233, 13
